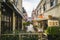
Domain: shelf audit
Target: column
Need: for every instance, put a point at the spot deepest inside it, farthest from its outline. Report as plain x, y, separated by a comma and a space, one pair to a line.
20, 37
0, 22
40, 36
22, 25
13, 22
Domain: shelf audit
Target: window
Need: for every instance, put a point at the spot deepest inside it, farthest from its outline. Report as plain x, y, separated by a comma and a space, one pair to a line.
37, 12
40, 9
15, 2
4, 0
6, 20
52, 2
44, 7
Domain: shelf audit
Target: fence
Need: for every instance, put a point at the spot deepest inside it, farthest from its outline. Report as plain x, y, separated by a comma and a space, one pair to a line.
22, 36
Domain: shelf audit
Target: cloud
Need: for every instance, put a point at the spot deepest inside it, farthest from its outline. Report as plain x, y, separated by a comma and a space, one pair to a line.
29, 5
28, 0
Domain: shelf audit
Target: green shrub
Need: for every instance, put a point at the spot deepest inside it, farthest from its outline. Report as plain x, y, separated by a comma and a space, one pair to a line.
26, 23
53, 30
9, 37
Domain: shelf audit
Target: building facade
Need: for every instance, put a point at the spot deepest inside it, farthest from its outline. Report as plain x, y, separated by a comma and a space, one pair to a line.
10, 18
48, 11
34, 17
24, 17
48, 7
24, 14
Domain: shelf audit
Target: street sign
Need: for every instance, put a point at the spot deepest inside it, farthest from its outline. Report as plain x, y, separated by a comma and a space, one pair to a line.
53, 23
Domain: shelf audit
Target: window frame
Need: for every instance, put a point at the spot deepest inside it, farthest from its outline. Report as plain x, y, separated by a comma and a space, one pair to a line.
53, 3
44, 7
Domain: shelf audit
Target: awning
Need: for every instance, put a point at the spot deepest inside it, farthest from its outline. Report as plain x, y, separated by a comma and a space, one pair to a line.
40, 19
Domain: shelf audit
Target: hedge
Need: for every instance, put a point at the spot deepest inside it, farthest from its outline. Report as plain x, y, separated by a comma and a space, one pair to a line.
53, 30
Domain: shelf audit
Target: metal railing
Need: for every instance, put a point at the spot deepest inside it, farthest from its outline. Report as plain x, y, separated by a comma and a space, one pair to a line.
25, 36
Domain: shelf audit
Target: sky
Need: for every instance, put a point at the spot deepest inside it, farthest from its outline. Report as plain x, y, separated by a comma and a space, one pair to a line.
29, 5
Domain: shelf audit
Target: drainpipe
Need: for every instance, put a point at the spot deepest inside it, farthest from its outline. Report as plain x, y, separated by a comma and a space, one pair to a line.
0, 20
